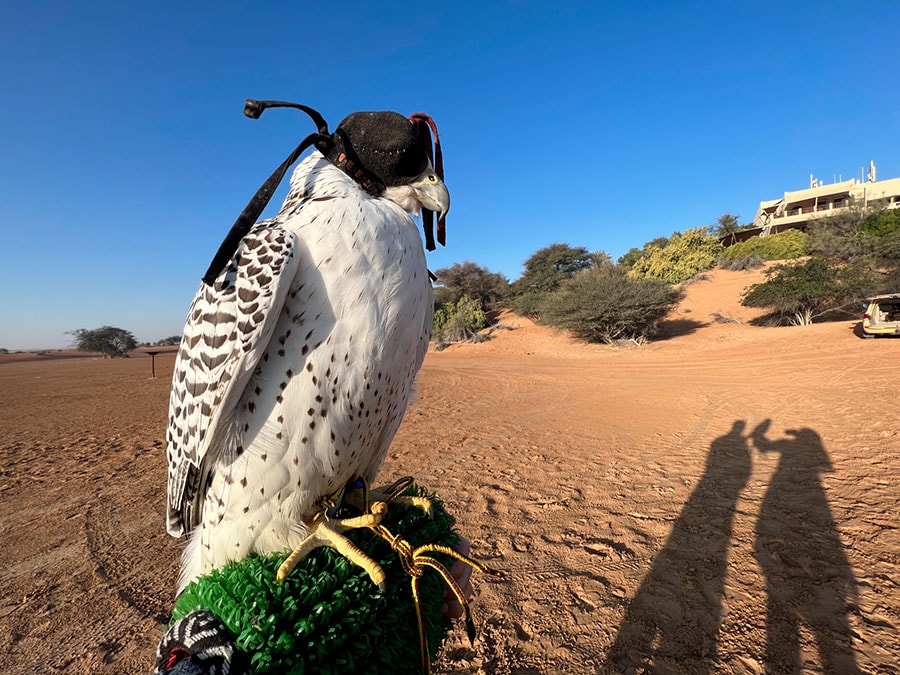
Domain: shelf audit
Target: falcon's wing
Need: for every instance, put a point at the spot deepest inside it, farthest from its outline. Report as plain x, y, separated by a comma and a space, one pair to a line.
228, 328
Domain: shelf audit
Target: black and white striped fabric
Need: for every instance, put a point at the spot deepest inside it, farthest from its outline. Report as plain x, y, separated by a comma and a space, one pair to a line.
200, 644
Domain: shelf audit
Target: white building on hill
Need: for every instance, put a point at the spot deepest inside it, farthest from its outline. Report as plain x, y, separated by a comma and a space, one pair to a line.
796, 209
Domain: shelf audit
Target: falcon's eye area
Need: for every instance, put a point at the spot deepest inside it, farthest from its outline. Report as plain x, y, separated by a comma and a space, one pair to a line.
431, 178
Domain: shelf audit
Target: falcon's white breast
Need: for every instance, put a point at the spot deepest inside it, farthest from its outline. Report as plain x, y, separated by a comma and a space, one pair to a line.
295, 368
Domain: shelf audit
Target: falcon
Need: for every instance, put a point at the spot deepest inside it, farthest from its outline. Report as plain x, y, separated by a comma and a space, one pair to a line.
300, 348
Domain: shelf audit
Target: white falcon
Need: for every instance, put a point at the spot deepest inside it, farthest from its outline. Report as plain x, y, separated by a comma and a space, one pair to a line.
301, 346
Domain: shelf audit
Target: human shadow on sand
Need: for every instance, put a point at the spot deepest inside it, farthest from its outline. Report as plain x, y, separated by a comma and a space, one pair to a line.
674, 618
808, 577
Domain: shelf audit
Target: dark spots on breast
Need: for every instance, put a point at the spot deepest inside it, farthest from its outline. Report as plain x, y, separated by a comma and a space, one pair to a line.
244, 481
264, 456
251, 406
279, 398
323, 412
279, 435
280, 352
311, 412
309, 367
283, 385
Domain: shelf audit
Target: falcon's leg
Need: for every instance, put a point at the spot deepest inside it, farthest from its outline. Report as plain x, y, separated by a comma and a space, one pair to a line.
325, 532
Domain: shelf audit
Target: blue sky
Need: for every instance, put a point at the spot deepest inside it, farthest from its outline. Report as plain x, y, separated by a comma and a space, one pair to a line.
125, 156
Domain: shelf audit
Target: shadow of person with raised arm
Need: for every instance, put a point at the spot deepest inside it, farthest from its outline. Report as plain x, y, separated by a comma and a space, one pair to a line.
673, 621
808, 576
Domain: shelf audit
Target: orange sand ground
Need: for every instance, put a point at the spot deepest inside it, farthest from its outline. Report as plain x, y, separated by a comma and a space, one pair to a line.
622, 489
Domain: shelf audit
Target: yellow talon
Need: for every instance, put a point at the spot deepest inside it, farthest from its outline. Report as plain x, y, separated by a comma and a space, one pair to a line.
328, 533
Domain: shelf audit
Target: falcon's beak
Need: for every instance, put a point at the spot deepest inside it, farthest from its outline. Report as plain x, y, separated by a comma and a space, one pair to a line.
432, 193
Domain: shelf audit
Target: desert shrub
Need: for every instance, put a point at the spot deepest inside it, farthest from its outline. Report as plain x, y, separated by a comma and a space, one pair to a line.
4, 350
606, 304
785, 245
750, 262
684, 256
529, 303
802, 292
545, 269
458, 321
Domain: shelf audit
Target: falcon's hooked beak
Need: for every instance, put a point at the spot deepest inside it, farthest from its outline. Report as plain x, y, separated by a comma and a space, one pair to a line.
432, 193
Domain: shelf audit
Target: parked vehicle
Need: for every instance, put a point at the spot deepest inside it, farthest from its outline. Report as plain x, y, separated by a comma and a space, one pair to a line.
882, 316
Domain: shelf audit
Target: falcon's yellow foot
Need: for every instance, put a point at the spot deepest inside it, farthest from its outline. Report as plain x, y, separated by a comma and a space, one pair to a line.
325, 532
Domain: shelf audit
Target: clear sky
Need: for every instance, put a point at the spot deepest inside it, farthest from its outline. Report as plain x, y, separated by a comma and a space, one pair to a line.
125, 156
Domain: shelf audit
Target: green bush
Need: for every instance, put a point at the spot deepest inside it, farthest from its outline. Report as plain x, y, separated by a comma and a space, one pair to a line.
785, 245
458, 321
880, 235
606, 304
684, 256
798, 293
545, 269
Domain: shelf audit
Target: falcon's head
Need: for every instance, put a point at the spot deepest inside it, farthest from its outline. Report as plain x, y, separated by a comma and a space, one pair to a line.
392, 156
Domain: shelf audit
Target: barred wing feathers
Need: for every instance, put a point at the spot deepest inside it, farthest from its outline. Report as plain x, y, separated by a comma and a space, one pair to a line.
228, 328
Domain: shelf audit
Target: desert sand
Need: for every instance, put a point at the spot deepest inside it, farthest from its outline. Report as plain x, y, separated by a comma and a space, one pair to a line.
722, 499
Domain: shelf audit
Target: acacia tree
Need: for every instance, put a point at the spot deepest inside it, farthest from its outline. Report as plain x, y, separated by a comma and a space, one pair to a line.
545, 269
108, 340
471, 280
